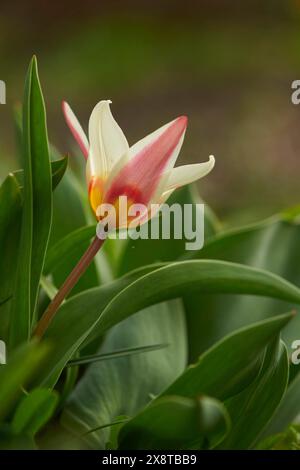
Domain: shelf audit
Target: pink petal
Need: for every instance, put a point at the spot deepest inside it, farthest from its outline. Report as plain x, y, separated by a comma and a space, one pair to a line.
139, 178
76, 129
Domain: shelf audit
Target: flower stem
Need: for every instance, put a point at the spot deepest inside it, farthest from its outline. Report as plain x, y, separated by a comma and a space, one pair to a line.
67, 286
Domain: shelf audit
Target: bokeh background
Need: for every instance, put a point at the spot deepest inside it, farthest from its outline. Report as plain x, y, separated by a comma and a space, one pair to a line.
228, 65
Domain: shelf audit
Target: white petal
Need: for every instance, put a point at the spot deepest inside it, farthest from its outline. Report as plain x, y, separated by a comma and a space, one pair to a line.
107, 141
189, 173
76, 129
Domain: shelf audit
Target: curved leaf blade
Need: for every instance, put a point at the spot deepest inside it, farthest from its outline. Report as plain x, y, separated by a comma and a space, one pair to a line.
108, 305
230, 365
252, 409
176, 422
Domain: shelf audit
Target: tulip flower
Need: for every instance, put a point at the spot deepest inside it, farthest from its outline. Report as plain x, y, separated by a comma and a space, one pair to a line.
144, 173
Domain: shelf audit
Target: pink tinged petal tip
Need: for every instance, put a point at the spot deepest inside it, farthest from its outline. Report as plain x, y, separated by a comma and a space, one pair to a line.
76, 129
142, 174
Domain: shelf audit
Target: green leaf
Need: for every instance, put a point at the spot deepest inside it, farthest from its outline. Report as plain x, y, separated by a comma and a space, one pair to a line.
58, 169
287, 440
11, 199
121, 387
252, 409
21, 368
209, 276
17, 119
9, 441
176, 422
58, 165
288, 410
64, 254
271, 245
230, 365
10, 216
34, 411
223, 371
114, 354
37, 209
108, 305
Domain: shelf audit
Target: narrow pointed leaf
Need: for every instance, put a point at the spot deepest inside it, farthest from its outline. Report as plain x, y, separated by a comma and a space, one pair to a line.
37, 208
115, 354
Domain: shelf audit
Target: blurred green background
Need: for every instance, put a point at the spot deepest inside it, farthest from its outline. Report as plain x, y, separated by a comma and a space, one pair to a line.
228, 65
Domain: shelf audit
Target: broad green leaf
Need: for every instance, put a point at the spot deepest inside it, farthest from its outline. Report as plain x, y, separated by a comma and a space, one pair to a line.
176, 422
288, 410
22, 367
223, 371
208, 276
231, 364
37, 209
34, 411
126, 384
94, 311
140, 252
271, 245
252, 409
